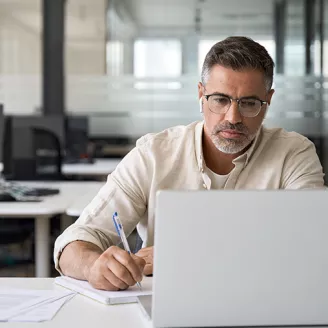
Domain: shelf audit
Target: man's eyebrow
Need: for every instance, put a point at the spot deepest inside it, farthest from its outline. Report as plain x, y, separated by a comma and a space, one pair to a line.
216, 93
252, 96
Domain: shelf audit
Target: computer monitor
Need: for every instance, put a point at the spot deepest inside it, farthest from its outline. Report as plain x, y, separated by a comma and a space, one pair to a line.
2, 128
36, 148
77, 137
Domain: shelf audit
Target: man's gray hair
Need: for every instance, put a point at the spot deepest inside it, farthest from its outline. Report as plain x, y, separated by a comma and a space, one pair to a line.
239, 53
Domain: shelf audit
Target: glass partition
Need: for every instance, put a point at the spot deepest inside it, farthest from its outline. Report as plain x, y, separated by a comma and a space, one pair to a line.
133, 66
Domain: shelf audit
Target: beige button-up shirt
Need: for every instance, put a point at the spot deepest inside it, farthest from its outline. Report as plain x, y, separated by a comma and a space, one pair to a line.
173, 159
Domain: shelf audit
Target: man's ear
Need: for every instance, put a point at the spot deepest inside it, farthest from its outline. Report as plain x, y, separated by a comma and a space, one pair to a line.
200, 96
200, 90
270, 94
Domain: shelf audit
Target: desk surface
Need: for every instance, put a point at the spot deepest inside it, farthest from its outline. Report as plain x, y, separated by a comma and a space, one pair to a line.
70, 192
99, 167
43, 211
80, 311
76, 208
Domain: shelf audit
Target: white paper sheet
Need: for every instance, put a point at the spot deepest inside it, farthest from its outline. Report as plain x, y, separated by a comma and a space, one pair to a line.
19, 303
44, 312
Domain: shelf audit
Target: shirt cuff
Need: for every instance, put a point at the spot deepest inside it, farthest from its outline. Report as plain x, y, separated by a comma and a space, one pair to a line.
61, 244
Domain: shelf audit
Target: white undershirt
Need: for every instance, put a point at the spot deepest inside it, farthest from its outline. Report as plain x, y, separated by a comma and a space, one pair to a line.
217, 181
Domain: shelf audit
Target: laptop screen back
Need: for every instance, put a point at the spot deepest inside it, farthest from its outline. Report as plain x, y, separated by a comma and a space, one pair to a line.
240, 258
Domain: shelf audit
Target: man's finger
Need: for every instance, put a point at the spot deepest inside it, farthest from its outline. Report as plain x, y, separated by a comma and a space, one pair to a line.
141, 263
102, 283
114, 280
148, 269
129, 263
145, 252
121, 272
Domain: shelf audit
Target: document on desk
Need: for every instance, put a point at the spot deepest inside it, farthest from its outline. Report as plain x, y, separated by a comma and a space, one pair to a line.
107, 297
31, 305
45, 312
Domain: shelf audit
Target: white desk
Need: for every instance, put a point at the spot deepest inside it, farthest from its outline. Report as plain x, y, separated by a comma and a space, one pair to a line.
101, 167
43, 211
75, 209
80, 311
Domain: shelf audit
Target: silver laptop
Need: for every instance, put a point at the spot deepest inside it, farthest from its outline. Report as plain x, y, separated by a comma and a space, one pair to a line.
240, 258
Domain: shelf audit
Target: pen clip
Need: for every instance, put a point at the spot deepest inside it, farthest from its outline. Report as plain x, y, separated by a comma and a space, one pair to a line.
116, 224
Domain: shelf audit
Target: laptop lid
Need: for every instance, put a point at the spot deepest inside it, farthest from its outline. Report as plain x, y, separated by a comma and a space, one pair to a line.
240, 258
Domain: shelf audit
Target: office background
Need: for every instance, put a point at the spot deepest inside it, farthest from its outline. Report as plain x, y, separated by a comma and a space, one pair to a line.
129, 67
132, 65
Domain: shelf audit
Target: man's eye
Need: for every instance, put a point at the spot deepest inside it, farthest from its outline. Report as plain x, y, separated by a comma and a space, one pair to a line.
248, 102
222, 100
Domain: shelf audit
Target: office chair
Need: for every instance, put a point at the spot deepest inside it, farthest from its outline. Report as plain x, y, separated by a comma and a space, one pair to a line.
48, 160
33, 148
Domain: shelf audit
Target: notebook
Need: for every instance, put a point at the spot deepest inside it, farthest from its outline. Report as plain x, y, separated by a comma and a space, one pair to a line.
106, 297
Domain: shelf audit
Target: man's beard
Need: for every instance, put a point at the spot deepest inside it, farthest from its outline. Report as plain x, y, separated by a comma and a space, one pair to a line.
232, 146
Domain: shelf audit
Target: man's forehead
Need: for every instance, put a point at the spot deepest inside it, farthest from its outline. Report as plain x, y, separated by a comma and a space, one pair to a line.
227, 72
226, 78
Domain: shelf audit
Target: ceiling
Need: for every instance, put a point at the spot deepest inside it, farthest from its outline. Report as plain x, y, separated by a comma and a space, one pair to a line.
206, 17
212, 12
86, 19
211, 17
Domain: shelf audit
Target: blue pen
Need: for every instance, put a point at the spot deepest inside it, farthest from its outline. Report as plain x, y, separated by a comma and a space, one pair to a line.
121, 234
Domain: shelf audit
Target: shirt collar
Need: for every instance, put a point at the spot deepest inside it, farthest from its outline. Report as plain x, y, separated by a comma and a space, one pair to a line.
244, 158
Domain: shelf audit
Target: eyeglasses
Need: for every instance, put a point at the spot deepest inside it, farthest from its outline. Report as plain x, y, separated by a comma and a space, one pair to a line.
248, 107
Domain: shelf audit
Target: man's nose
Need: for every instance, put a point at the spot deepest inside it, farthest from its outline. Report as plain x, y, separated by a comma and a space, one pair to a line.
232, 115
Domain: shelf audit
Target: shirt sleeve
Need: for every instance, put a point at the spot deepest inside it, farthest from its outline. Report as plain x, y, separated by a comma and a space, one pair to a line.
126, 192
302, 169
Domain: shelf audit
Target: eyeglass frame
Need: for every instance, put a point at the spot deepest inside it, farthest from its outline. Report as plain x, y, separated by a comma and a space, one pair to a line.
263, 102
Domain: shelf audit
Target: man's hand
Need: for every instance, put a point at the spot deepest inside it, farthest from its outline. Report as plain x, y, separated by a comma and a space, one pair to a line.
115, 269
147, 254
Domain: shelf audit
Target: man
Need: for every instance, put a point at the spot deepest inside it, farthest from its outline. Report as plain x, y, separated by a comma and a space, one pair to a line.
228, 150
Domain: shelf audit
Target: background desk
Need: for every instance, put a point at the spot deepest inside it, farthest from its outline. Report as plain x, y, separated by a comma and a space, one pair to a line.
80, 311
101, 167
75, 208
43, 211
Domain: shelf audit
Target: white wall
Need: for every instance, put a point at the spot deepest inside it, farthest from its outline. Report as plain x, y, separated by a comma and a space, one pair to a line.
21, 39
85, 47
85, 58
20, 48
